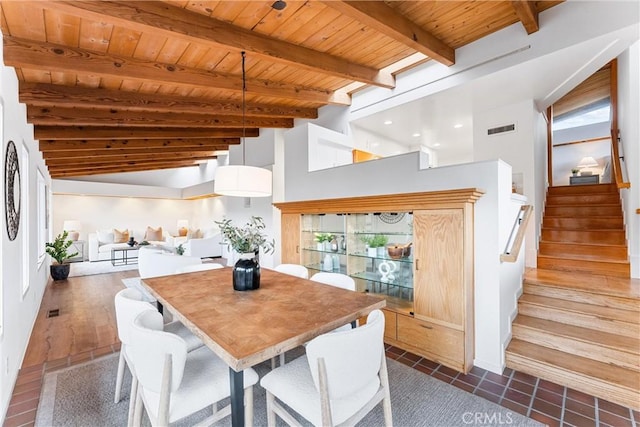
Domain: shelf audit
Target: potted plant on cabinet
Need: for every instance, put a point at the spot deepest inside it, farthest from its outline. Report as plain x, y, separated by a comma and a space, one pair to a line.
58, 251
575, 171
246, 241
376, 244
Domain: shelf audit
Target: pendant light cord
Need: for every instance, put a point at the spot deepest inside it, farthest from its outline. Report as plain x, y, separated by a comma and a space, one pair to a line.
244, 90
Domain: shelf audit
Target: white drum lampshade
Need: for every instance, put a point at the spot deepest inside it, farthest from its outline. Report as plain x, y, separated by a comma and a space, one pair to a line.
242, 181
73, 227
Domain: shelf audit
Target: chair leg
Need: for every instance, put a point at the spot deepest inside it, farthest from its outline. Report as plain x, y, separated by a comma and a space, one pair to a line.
248, 406
119, 376
133, 397
271, 414
386, 401
282, 359
137, 416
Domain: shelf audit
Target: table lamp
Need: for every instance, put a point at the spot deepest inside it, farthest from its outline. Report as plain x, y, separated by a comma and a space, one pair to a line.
73, 227
585, 163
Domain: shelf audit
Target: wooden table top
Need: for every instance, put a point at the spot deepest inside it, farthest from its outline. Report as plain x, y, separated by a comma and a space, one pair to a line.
246, 328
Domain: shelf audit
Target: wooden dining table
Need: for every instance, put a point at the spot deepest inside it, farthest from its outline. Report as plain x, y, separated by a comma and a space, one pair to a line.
245, 328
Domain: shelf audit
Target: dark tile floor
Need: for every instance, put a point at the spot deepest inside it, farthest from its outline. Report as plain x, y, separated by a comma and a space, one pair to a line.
542, 400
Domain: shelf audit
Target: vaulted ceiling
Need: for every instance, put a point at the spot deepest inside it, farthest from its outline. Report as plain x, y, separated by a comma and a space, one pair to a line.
114, 86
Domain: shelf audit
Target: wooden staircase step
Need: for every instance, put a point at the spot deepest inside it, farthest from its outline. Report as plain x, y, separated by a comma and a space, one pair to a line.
606, 237
576, 295
612, 320
596, 345
582, 189
583, 199
584, 223
585, 251
606, 381
567, 263
584, 211
587, 284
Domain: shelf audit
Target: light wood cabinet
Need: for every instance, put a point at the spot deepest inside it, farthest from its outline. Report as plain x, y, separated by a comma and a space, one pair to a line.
433, 315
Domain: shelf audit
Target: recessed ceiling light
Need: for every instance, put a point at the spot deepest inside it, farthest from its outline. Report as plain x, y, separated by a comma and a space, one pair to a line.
437, 144
388, 122
417, 134
457, 125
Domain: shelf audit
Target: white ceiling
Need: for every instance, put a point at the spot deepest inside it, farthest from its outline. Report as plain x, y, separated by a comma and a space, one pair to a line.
544, 80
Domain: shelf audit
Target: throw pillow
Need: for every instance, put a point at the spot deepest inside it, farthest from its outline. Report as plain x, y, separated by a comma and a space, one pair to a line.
153, 234
120, 236
105, 237
194, 234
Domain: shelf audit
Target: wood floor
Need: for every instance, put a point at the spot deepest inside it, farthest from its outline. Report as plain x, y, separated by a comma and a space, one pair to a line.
86, 319
85, 329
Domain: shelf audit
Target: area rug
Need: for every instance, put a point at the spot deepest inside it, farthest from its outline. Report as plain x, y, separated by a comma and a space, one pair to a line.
83, 396
87, 268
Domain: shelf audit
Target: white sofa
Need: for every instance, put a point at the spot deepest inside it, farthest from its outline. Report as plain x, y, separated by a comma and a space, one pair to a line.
153, 262
100, 244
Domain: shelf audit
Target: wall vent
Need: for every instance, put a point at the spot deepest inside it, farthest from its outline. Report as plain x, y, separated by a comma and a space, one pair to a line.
502, 129
53, 313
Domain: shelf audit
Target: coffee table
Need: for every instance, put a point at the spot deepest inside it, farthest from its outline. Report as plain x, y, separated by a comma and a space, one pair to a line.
124, 256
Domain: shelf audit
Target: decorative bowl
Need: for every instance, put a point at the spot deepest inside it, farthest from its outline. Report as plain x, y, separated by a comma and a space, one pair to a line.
396, 251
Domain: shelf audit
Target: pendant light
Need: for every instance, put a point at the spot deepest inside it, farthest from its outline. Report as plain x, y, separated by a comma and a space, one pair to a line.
242, 180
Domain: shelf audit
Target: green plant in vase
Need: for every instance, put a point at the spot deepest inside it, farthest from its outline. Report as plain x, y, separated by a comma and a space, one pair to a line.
321, 239
246, 240
374, 242
58, 251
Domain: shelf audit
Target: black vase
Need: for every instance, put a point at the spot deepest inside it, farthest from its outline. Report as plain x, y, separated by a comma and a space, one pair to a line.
59, 271
246, 273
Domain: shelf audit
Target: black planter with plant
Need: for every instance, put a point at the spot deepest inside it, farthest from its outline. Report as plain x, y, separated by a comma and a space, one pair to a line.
58, 251
246, 241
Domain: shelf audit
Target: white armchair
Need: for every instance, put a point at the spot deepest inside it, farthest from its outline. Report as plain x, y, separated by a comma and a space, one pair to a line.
206, 247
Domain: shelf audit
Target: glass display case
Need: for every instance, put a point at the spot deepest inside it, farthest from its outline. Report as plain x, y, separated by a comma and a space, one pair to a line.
324, 243
379, 253
373, 248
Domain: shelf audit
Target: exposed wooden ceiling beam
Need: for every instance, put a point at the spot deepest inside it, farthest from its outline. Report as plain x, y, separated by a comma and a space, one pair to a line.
41, 55
171, 21
130, 144
527, 14
146, 162
121, 153
89, 133
118, 169
381, 17
46, 95
93, 117
125, 159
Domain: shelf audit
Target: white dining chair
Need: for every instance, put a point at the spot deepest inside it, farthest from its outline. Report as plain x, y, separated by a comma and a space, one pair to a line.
293, 269
199, 267
342, 377
174, 383
338, 280
128, 304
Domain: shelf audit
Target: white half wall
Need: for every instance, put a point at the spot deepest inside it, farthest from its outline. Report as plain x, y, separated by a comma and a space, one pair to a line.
401, 174
629, 114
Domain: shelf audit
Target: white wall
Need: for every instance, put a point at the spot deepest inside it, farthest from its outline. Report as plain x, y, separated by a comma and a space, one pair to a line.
18, 311
567, 157
373, 143
132, 213
517, 148
629, 112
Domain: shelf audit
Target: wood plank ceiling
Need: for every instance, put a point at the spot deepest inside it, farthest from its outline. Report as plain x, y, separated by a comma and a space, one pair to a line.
115, 86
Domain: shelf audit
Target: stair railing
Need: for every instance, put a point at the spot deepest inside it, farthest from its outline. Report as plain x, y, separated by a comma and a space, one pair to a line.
517, 234
617, 160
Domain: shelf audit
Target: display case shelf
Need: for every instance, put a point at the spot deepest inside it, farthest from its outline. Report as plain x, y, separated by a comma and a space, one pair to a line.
385, 257
325, 251
318, 268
